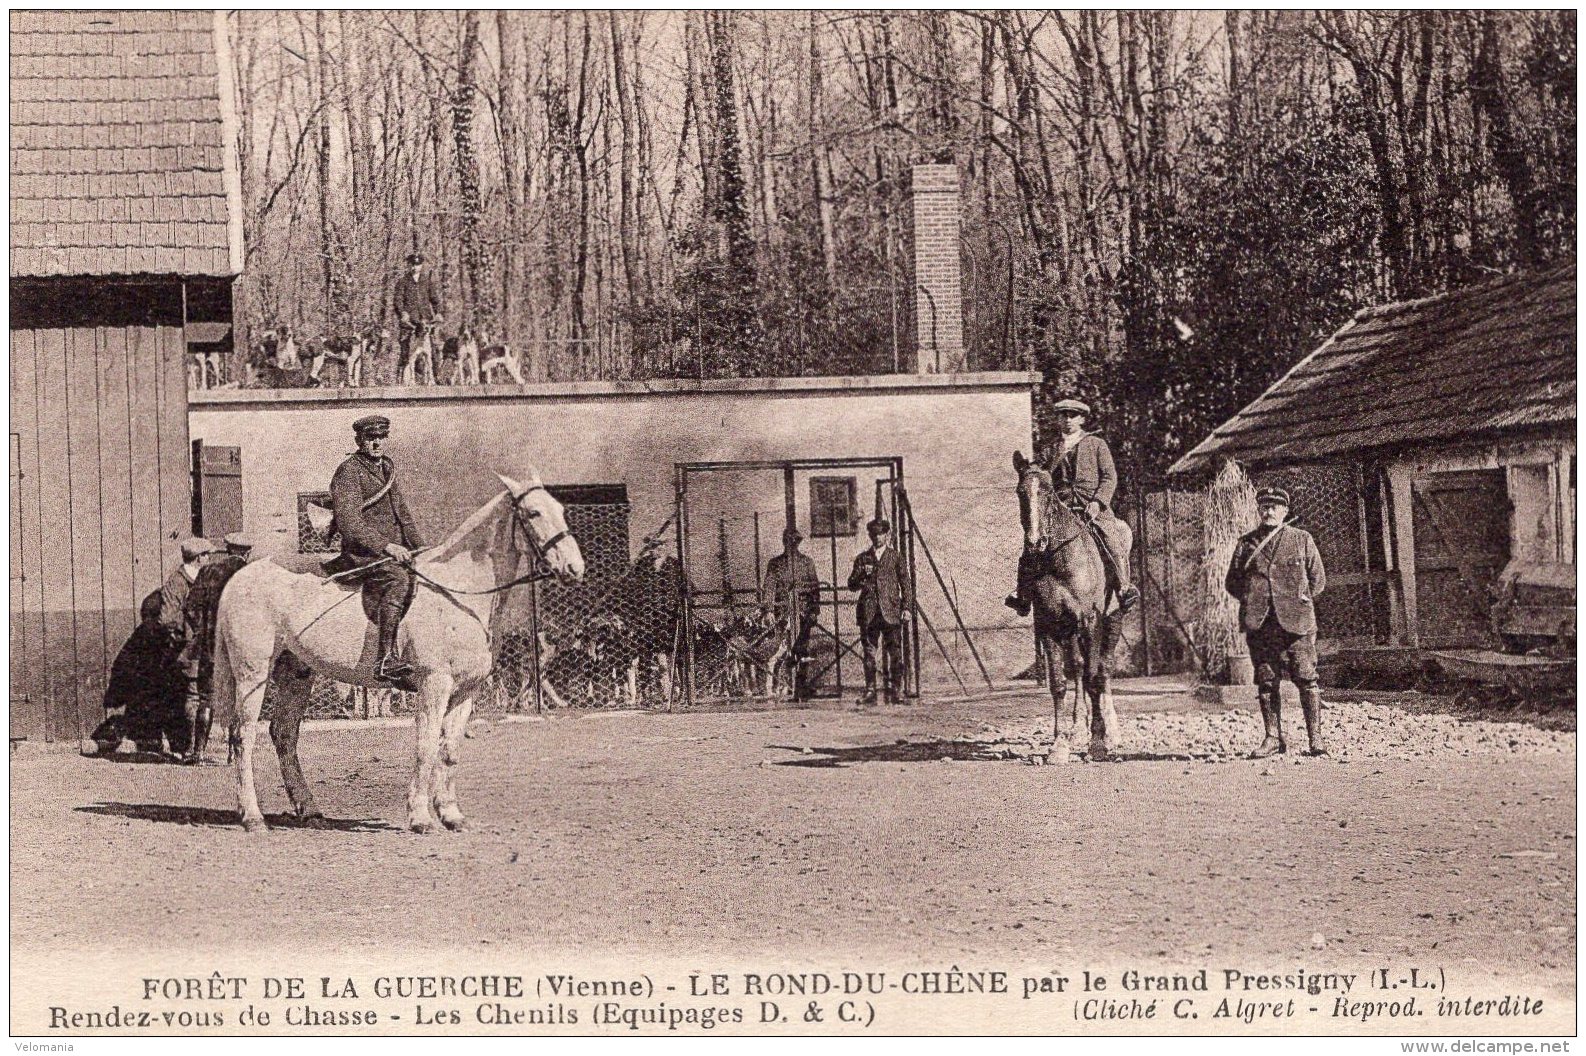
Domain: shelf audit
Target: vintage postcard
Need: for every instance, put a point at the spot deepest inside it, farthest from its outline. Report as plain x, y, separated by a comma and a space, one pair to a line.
853, 523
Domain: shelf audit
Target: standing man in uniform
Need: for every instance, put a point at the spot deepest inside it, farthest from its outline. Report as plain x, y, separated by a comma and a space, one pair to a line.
790, 593
377, 533
886, 602
174, 617
418, 305
1085, 478
1277, 574
203, 603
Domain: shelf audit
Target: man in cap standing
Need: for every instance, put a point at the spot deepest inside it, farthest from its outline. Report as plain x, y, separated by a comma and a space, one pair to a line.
377, 533
418, 305
790, 592
174, 618
1085, 478
1276, 573
203, 603
886, 601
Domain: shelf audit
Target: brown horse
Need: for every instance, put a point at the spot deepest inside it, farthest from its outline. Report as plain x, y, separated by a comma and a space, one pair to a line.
1067, 584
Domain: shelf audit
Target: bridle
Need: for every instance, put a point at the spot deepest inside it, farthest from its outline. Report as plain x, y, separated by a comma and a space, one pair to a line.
1048, 500
520, 522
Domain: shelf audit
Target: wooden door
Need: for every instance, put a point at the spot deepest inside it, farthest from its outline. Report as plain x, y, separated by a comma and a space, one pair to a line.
1461, 525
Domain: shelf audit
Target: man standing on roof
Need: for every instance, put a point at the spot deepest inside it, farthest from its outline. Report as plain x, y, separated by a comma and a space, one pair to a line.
1277, 575
377, 534
1084, 477
418, 306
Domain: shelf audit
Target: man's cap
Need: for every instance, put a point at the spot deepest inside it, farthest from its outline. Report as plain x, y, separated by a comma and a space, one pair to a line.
879, 526
1071, 405
371, 422
1272, 495
237, 543
791, 534
415, 258
196, 547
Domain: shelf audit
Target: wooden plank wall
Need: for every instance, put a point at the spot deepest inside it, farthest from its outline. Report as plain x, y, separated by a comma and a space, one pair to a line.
101, 418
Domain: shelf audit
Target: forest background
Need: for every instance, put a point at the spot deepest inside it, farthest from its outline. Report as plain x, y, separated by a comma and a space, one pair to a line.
1163, 211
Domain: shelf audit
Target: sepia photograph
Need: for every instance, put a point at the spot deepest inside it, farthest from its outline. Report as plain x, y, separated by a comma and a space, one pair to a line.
851, 523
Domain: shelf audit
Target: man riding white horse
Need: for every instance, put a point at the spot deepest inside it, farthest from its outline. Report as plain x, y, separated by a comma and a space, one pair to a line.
1084, 475
377, 535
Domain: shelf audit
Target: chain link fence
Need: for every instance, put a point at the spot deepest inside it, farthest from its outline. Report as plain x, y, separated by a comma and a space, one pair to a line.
1338, 504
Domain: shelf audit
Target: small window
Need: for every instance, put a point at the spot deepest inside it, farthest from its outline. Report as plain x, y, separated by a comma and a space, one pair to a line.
834, 506
314, 528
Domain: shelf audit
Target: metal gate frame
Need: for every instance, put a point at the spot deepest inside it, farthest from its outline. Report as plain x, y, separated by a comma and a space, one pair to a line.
889, 491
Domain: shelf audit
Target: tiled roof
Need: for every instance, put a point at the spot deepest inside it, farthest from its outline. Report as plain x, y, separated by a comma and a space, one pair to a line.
1481, 361
117, 163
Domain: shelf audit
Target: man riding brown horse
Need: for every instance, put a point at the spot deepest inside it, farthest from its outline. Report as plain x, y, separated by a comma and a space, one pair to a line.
1083, 473
378, 536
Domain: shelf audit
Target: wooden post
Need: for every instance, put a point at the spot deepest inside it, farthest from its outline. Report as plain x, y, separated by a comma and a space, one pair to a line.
1403, 534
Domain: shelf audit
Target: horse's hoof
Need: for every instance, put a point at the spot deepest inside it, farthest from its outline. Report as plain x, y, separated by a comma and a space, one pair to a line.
254, 825
458, 824
1099, 754
315, 821
1037, 760
423, 828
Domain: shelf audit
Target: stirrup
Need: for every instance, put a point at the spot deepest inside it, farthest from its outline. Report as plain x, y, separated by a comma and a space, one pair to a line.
1128, 598
1017, 604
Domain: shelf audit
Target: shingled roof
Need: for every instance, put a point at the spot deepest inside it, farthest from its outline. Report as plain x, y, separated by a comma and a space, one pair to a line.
118, 157
1481, 361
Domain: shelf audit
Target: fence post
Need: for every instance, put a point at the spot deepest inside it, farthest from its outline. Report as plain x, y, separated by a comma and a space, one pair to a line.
1145, 557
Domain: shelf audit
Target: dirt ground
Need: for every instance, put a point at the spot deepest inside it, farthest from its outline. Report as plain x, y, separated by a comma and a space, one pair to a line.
900, 833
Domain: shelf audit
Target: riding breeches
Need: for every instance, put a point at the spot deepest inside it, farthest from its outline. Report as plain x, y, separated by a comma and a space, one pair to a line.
1278, 654
388, 591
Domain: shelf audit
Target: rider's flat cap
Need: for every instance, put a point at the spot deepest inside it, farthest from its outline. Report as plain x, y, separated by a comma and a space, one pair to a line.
371, 421
1071, 405
196, 547
236, 542
1272, 495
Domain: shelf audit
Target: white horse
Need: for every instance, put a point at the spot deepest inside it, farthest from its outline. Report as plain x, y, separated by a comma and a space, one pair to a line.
281, 624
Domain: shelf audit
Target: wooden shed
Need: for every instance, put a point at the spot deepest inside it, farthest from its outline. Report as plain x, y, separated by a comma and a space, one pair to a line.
125, 231
1430, 447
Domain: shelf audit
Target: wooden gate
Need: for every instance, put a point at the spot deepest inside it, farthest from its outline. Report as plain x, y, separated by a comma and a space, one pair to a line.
1461, 525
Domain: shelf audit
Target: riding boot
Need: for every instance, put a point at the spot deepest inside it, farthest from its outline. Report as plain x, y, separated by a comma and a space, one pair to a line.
1019, 600
388, 667
1311, 704
1271, 699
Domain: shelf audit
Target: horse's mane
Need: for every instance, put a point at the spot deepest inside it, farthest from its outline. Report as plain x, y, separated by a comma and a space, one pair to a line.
470, 524
1059, 524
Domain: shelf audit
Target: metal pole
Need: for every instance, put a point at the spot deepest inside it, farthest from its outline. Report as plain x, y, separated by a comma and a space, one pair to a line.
837, 640
534, 633
684, 591
903, 515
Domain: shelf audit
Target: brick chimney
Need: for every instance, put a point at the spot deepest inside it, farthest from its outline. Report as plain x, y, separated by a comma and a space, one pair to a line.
935, 273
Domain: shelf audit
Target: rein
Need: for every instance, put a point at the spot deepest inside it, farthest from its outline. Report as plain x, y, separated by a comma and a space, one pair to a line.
1047, 515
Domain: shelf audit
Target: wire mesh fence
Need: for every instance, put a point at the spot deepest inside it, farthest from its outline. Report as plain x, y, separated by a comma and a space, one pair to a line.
1338, 504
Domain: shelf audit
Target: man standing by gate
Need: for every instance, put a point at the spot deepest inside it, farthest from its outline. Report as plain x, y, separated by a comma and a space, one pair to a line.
886, 601
791, 593
1277, 575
